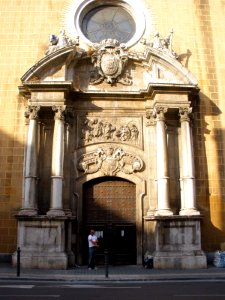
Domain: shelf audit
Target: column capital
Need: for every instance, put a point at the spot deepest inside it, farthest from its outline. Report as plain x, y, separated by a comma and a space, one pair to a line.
184, 113
59, 112
150, 116
160, 111
32, 112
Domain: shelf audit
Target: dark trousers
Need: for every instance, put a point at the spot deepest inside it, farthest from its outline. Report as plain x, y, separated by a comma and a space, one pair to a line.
91, 259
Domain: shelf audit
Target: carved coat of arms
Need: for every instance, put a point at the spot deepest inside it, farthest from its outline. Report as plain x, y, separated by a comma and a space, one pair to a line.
110, 161
109, 59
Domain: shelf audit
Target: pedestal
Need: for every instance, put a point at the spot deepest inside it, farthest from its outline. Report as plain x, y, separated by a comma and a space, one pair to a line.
178, 243
42, 242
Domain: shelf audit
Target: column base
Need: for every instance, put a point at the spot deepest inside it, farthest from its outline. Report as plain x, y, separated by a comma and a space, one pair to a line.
54, 212
28, 212
164, 212
150, 213
189, 212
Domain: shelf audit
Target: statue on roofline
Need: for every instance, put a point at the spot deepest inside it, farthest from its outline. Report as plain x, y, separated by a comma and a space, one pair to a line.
60, 41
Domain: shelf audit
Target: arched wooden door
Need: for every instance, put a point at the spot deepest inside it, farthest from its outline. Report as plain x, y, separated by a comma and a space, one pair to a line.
109, 207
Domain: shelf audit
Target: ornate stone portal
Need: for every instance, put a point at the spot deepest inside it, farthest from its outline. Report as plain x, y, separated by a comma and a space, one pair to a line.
110, 113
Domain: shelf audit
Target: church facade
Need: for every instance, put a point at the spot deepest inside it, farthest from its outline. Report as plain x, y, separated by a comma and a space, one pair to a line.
119, 129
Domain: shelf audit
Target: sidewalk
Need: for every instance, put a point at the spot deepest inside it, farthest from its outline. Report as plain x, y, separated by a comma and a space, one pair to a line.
115, 273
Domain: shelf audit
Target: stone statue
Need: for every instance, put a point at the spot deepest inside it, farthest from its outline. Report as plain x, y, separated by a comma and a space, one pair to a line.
164, 44
60, 41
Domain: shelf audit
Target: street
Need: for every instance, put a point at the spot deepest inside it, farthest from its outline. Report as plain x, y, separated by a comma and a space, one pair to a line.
133, 290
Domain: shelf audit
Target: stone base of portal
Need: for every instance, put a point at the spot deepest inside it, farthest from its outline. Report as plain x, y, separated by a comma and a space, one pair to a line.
178, 243
44, 260
42, 242
185, 260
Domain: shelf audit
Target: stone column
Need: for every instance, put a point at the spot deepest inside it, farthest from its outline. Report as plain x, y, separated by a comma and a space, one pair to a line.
56, 208
31, 164
188, 193
163, 208
69, 118
151, 187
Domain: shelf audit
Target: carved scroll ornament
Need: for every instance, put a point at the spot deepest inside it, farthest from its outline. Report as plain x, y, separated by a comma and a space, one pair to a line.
109, 161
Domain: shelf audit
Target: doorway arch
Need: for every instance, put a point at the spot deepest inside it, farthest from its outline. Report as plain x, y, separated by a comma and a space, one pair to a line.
109, 207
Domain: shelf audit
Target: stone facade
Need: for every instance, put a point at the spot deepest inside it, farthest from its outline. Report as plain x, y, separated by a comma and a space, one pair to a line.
146, 122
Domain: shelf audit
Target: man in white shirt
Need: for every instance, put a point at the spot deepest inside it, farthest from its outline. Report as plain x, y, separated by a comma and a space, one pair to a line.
92, 245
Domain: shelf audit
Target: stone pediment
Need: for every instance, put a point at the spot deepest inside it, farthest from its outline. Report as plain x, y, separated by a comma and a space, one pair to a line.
110, 70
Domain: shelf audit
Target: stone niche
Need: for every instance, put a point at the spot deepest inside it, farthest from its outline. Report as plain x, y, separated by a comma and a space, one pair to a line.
178, 243
42, 243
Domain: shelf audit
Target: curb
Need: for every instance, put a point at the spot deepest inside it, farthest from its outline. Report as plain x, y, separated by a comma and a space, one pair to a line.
117, 279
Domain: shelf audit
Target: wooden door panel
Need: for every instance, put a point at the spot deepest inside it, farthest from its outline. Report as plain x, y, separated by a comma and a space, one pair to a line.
109, 201
110, 207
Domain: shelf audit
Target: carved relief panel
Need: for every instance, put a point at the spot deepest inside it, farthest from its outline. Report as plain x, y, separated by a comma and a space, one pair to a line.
94, 130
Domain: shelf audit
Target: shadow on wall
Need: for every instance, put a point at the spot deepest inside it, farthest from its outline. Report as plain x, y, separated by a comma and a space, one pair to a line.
184, 58
11, 177
210, 164
209, 172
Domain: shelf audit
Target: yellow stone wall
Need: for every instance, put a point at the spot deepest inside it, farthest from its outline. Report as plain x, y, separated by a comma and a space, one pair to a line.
198, 39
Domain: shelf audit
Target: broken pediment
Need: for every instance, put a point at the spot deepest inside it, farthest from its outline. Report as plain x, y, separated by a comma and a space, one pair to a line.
110, 67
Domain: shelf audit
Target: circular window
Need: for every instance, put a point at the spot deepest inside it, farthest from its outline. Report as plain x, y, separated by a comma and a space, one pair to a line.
105, 22
96, 20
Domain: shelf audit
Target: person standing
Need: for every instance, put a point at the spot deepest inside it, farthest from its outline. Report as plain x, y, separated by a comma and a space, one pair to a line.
92, 246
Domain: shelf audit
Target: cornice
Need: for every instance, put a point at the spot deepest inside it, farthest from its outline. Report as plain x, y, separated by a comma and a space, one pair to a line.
45, 86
